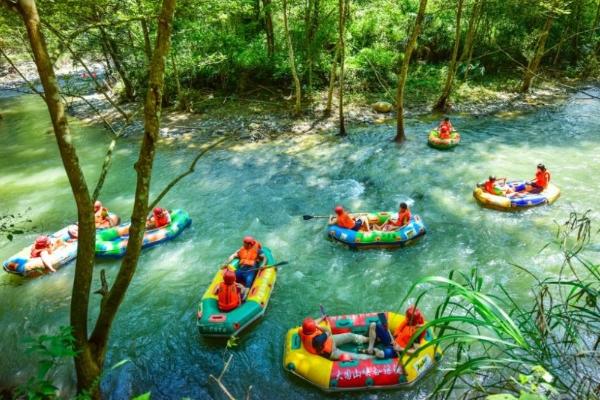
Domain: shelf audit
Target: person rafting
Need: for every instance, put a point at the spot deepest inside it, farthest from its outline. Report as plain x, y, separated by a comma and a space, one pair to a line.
540, 182
400, 222
497, 187
379, 331
251, 258
445, 128
42, 248
101, 215
160, 217
344, 220
229, 292
318, 339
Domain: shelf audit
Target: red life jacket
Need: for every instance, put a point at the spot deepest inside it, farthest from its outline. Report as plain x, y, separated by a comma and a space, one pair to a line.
308, 342
162, 220
444, 132
229, 297
403, 218
345, 221
249, 256
35, 252
542, 178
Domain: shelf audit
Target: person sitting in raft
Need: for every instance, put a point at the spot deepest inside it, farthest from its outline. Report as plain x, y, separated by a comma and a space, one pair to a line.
318, 339
379, 331
497, 187
540, 182
251, 258
101, 215
402, 220
160, 217
344, 220
229, 293
445, 128
42, 248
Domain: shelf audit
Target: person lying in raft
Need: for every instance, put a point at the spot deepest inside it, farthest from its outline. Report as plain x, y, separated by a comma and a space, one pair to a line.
230, 293
319, 340
392, 344
445, 128
102, 216
160, 217
497, 187
402, 220
540, 182
344, 220
42, 248
251, 258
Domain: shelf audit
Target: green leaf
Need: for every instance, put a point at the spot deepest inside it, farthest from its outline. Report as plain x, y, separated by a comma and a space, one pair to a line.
501, 397
145, 396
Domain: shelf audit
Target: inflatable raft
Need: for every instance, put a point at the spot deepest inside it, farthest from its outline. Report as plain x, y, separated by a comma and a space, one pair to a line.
516, 203
377, 239
22, 264
213, 322
435, 141
112, 242
332, 376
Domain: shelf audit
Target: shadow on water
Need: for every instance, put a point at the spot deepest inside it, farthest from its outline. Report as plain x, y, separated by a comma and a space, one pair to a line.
263, 189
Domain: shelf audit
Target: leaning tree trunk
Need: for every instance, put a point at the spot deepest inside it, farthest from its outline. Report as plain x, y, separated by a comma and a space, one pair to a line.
145, 32
298, 89
534, 63
269, 27
332, 76
341, 29
116, 59
410, 46
470, 38
312, 26
442, 103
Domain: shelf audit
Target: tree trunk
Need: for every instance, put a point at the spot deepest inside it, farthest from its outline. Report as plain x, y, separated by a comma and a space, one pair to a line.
534, 63
86, 368
410, 46
145, 32
298, 89
341, 26
442, 103
596, 32
332, 77
312, 26
269, 27
465, 56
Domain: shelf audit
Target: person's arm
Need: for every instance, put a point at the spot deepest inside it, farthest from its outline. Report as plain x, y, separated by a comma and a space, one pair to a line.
231, 257
46, 260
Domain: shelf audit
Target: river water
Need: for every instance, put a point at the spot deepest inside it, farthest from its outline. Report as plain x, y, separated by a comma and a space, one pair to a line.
263, 189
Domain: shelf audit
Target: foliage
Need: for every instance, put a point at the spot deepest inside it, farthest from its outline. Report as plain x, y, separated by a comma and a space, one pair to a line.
495, 345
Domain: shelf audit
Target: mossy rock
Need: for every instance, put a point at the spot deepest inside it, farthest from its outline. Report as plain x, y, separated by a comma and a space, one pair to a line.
382, 107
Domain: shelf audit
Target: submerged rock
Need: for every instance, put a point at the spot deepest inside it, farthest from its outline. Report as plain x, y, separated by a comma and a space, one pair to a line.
382, 107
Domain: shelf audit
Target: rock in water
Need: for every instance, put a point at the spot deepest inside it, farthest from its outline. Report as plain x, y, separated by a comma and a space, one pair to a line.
382, 107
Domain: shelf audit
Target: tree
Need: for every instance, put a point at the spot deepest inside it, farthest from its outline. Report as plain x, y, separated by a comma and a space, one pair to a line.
474, 20
539, 52
341, 25
268, 22
91, 349
410, 46
298, 90
442, 102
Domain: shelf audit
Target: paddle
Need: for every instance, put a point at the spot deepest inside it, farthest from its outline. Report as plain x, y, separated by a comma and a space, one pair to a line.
279, 264
307, 217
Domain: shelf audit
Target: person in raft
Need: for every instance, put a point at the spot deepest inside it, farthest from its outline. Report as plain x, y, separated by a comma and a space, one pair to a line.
318, 339
101, 215
230, 293
540, 182
379, 331
497, 187
344, 220
445, 128
160, 217
42, 248
251, 258
400, 222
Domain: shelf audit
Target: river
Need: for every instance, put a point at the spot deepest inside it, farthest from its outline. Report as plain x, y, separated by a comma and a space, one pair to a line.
263, 189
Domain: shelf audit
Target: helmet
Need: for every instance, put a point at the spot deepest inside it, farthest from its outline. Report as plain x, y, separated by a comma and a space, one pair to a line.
158, 211
339, 210
42, 241
414, 316
249, 240
229, 277
309, 326
97, 205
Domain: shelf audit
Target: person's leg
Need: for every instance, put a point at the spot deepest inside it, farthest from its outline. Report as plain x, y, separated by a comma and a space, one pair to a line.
337, 353
345, 338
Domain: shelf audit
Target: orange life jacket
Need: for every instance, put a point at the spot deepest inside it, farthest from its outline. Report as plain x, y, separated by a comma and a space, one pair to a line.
345, 221
444, 132
307, 342
542, 178
229, 297
404, 332
162, 220
249, 256
403, 218
489, 187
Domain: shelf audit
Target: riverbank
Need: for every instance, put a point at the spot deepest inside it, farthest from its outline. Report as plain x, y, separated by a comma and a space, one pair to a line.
267, 112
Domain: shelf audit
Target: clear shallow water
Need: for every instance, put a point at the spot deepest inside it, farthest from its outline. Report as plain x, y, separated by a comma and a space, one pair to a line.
264, 189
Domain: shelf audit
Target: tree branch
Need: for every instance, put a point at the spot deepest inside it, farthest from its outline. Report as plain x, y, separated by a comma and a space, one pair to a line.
191, 170
31, 85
